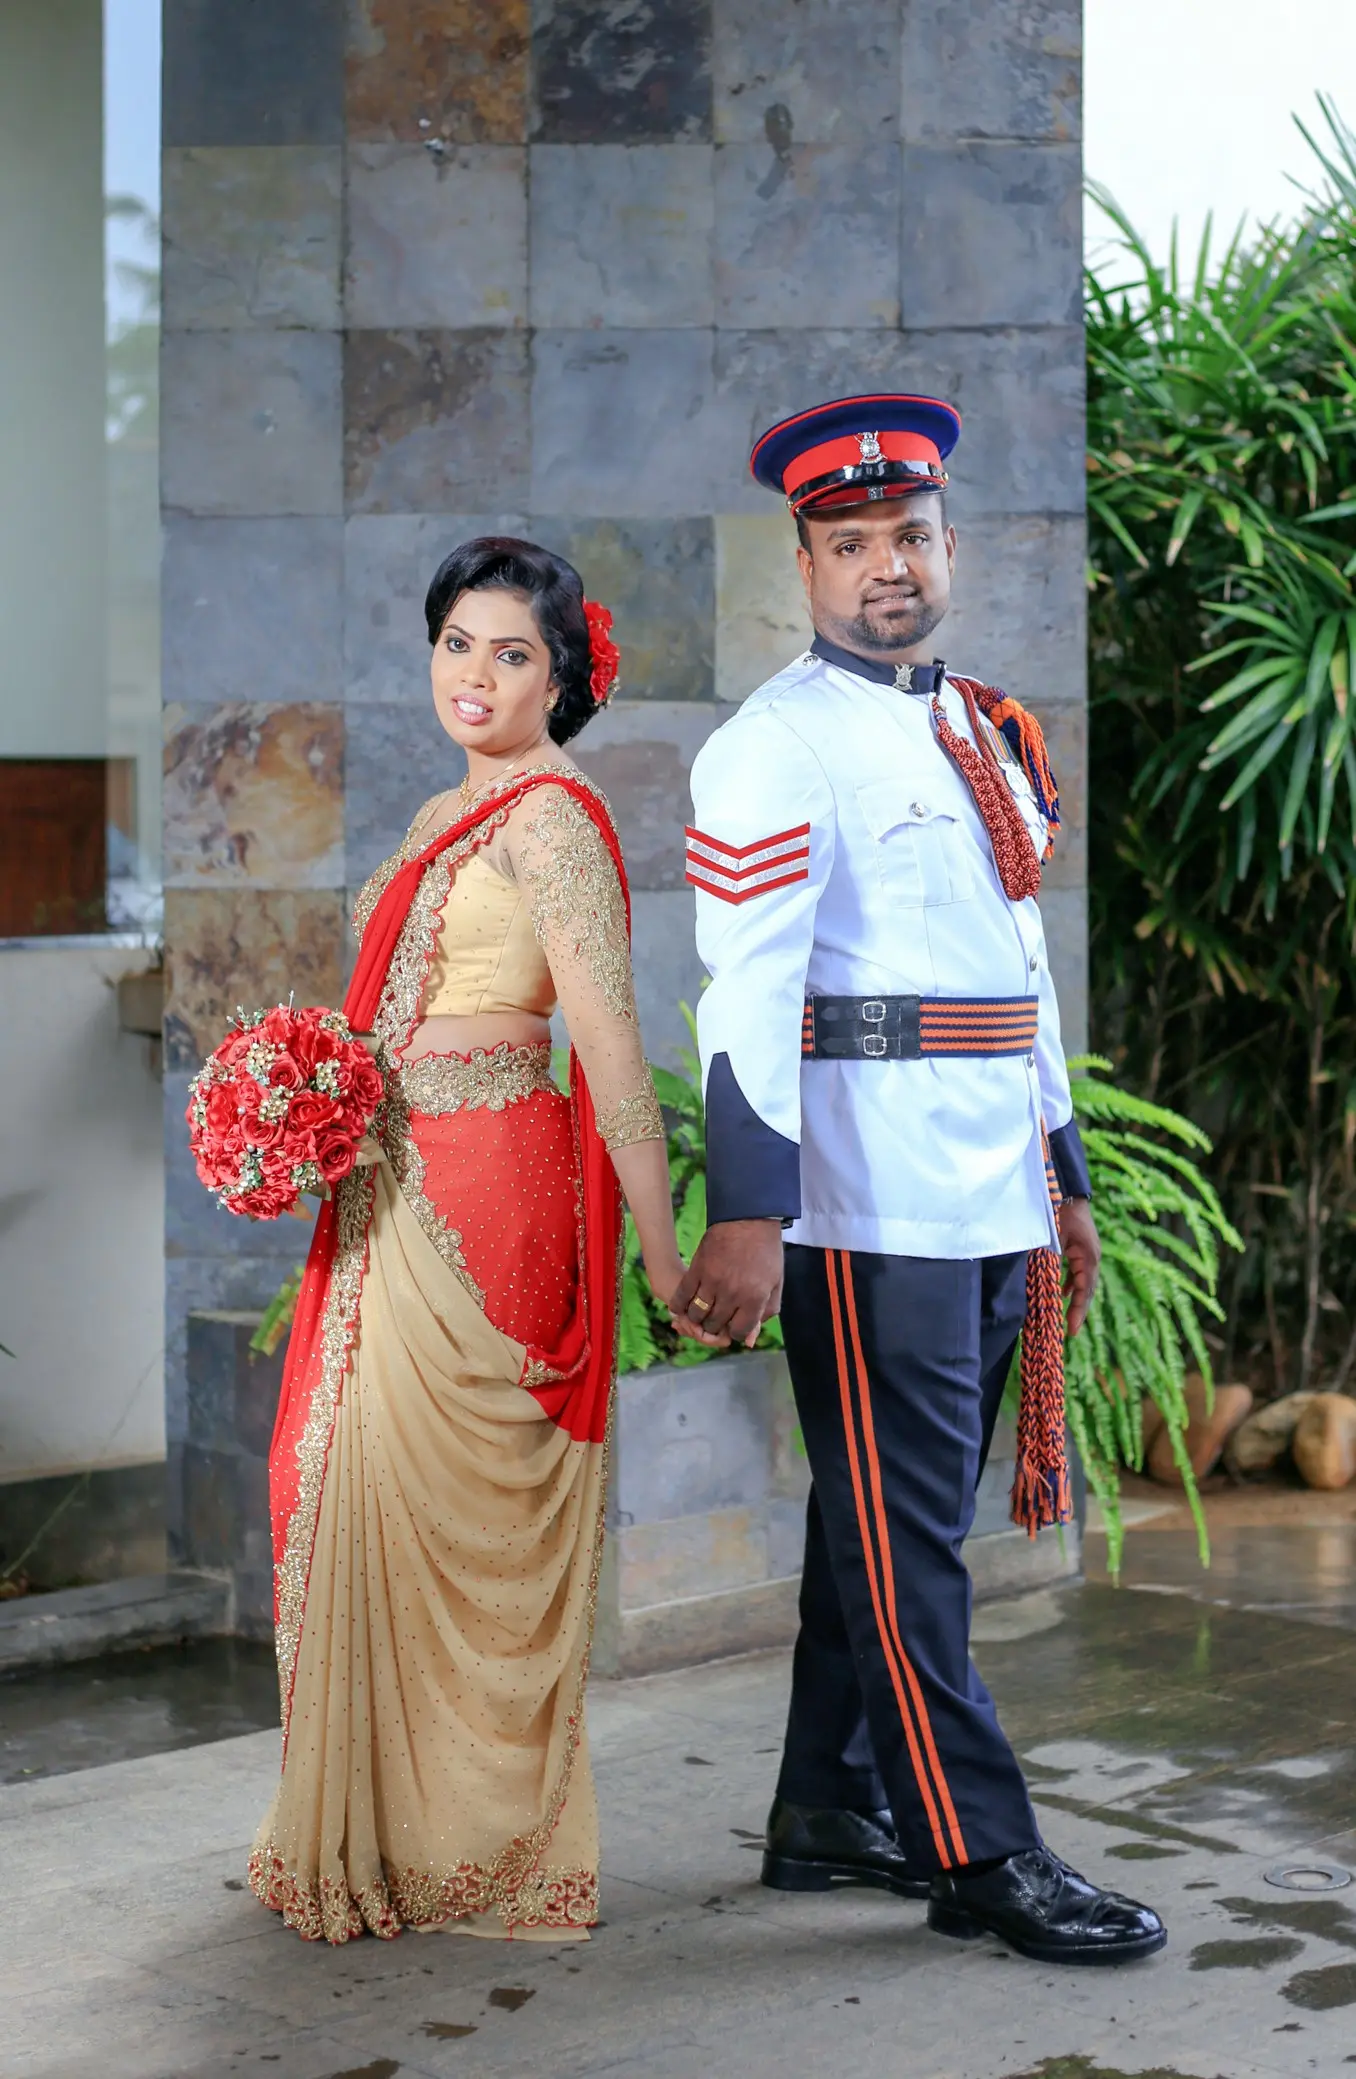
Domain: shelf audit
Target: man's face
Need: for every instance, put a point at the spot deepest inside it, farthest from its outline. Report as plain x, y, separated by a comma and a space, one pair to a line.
878, 577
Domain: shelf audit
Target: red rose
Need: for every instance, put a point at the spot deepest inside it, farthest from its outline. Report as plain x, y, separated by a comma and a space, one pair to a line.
334, 1154
365, 1084
285, 1074
277, 1027
310, 1110
221, 1103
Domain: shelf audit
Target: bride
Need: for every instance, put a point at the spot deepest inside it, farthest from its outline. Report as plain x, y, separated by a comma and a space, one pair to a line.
438, 1467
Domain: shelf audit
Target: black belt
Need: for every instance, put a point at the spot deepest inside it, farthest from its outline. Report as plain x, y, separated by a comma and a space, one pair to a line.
908, 1028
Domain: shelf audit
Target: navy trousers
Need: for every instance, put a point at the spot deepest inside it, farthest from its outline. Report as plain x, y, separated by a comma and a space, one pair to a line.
898, 1366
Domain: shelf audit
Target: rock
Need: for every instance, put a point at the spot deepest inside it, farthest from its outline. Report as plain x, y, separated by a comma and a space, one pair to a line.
1206, 1435
1324, 1443
1263, 1440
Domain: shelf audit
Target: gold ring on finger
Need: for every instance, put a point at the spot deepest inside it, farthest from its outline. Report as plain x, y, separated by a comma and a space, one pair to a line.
700, 1306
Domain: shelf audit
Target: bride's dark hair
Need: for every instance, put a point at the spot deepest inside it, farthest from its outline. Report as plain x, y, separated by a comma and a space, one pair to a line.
500, 562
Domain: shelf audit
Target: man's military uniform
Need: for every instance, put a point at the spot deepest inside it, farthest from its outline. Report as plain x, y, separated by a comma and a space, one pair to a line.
883, 1072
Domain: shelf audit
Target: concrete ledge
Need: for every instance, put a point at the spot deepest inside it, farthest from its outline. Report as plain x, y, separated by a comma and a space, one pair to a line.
705, 1627
81, 1623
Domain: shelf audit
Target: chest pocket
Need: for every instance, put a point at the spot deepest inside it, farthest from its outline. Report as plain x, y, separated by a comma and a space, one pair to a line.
921, 850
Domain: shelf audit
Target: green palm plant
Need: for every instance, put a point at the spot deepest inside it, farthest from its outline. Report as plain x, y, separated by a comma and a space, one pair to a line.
1162, 1226
1222, 550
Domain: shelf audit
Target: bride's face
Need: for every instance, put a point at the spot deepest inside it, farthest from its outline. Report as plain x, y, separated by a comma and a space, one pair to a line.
492, 673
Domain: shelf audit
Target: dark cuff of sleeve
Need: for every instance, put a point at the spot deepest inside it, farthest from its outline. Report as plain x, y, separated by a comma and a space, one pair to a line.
1070, 1162
752, 1171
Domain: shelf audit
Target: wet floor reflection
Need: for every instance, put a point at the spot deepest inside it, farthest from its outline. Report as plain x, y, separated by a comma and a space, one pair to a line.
131, 1704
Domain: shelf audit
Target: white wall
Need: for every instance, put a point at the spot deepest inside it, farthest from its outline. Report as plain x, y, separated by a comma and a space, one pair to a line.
81, 1217
53, 640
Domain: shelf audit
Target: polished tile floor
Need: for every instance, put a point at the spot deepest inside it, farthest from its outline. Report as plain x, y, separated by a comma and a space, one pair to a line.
1189, 1737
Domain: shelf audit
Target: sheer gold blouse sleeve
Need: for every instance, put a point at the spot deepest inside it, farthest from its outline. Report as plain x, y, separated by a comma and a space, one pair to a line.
554, 851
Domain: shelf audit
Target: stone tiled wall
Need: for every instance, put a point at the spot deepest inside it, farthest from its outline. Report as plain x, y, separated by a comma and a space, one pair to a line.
433, 266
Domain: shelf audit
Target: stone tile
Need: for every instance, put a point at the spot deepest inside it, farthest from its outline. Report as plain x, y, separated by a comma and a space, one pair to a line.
762, 620
822, 72
451, 69
436, 238
251, 237
435, 421
801, 229
658, 578
251, 608
253, 72
389, 563
623, 424
993, 234
232, 1390
229, 946
640, 753
667, 970
230, 1280
398, 757
690, 1439
1066, 733
254, 795
1020, 392
1064, 912
620, 74
691, 1555
250, 422
622, 235
1019, 607
1007, 68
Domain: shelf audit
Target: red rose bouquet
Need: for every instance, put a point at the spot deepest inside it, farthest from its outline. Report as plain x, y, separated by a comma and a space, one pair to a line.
280, 1108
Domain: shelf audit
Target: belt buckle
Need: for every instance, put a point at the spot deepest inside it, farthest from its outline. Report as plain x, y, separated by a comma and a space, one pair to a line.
874, 1045
873, 1011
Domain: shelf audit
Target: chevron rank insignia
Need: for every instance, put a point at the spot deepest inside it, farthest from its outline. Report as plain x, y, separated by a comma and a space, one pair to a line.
736, 873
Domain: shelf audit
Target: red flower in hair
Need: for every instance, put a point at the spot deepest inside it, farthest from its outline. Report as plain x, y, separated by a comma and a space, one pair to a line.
603, 652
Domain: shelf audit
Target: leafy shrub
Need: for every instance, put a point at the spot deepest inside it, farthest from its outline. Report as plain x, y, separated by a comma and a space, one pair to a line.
1161, 1225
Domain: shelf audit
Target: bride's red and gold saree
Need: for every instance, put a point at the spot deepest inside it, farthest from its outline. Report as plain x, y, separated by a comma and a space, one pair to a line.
438, 1466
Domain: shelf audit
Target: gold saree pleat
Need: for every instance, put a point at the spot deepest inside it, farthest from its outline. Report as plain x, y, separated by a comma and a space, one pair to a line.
436, 1770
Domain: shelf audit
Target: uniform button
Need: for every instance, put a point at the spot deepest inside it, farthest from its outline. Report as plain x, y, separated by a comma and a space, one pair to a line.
1033, 963
1031, 1061
918, 808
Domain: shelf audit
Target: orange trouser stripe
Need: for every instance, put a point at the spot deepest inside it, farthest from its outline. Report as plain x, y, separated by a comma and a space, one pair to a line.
868, 1550
887, 1565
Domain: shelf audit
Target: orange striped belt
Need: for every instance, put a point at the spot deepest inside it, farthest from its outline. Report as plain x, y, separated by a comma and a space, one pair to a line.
908, 1028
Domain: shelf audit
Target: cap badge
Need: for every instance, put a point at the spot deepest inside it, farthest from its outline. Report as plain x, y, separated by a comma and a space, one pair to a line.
869, 443
904, 678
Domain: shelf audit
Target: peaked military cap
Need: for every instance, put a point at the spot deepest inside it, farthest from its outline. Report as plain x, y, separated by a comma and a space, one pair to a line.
857, 449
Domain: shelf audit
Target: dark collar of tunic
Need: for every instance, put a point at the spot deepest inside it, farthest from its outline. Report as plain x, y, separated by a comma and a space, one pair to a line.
901, 678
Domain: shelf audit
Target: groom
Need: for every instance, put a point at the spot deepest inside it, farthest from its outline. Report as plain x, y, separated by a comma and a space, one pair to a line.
883, 1074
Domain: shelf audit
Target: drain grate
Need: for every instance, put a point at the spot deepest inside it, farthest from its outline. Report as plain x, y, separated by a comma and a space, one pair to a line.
1309, 1876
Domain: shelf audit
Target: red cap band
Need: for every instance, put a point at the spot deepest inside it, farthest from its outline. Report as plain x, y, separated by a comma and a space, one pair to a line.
852, 450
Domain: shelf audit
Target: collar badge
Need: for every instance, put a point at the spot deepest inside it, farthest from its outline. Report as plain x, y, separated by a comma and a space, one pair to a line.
904, 678
869, 443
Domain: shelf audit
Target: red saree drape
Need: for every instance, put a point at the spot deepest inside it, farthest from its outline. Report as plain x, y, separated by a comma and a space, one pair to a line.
572, 1383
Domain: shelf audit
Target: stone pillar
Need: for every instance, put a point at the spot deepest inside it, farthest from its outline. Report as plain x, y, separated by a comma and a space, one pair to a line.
436, 266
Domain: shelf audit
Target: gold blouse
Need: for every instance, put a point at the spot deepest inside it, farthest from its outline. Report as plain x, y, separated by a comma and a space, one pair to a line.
487, 956
533, 917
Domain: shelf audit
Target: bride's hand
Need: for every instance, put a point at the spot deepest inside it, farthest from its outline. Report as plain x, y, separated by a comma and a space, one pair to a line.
369, 1152
664, 1282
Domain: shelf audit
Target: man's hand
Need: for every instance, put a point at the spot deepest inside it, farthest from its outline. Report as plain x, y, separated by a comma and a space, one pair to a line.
1082, 1253
734, 1283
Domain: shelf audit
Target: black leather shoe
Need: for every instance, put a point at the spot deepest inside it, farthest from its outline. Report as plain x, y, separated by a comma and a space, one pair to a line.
818, 1851
1045, 1910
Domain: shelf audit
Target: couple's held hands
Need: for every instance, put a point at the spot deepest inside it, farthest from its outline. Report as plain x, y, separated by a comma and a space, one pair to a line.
664, 1282
734, 1283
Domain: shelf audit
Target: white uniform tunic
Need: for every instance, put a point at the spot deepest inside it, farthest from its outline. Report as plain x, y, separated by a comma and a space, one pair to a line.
837, 850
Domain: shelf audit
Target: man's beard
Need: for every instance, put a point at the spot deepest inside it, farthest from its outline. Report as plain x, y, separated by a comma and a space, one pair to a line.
900, 632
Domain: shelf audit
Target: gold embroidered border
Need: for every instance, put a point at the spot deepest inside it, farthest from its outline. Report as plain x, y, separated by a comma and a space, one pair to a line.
439, 1084
410, 1170
632, 1119
353, 1209
327, 1911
